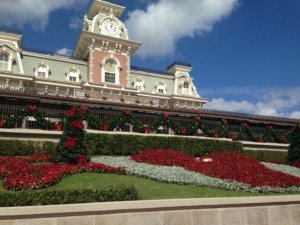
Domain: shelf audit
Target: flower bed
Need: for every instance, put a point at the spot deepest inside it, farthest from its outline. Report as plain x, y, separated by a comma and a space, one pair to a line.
163, 157
19, 174
242, 168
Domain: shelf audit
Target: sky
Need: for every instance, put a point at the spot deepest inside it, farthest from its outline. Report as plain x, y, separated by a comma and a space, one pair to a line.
245, 54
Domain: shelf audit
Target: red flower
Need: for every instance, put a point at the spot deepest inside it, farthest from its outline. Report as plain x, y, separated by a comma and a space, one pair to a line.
127, 112
166, 115
225, 121
245, 124
216, 135
32, 107
198, 118
260, 139
84, 108
2, 122
59, 126
284, 140
233, 137
105, 127
71, 142
147, 130
183, 131
270, 127
77, 124
82, 159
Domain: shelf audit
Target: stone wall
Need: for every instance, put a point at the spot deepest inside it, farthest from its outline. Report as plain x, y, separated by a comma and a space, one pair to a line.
275, 210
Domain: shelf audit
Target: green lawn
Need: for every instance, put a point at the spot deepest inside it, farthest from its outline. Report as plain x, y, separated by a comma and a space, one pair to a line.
148, 189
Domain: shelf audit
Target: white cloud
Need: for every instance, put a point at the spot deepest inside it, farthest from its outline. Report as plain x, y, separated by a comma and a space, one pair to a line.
270, 102
64, 51
167, 21
76, 23
33, 12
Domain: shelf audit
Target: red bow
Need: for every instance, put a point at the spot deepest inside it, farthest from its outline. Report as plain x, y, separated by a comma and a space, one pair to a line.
2, 122
71, 113
270, 127
233, 137
245, 124
77, 124
58, 126
84, 108
32, 107
225, 121
147, 130
216, 135
198, 118
71, 142
183, 131
127, 112
82, 159
166, 115
105, 127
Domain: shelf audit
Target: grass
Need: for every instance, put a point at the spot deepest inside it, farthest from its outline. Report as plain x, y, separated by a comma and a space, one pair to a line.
148, 189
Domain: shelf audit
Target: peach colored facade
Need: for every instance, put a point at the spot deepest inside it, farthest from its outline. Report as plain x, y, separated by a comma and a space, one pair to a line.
98, 61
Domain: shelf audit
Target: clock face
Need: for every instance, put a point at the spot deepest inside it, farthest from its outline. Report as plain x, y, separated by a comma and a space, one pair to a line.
110, 26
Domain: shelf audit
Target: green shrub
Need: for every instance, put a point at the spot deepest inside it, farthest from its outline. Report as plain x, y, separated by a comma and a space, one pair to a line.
294, 148
118, 144
24, 148
267, 155
56, 197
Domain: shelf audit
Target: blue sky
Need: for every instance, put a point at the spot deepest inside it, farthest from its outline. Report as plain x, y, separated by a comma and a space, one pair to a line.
245, 53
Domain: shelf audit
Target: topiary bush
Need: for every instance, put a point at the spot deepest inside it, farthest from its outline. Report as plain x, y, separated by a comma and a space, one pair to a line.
294, 148
72, 146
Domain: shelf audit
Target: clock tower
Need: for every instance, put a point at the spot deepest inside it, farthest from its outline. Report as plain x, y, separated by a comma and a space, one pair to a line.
104, 43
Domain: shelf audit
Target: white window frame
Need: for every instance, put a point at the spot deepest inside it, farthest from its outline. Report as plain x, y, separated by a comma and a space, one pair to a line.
5, 65
42, 70
161, 88
116, 72
139, 84
73, 75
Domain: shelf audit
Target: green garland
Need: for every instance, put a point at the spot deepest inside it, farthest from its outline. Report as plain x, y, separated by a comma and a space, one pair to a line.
164, 120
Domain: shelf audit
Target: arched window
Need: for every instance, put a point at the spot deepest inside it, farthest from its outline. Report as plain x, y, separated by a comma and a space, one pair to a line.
161, 88
110, 71
4, 61
42, 70
139, 84
73, 74
186, 88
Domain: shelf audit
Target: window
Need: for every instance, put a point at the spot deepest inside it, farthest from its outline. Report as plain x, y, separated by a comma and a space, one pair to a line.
186, 88
42, 70
110, 72
73, 74
4, 61
161, 88
139, 84
110, 77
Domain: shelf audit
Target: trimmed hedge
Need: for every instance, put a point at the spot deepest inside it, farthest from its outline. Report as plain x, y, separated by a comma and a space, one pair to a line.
118, 144
57, 197
26, 148
267, 155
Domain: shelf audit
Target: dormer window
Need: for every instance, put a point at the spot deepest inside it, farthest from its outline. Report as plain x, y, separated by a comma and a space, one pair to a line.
186, 88
73, 75
161, 88
42, 70
139, 84
4, 61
